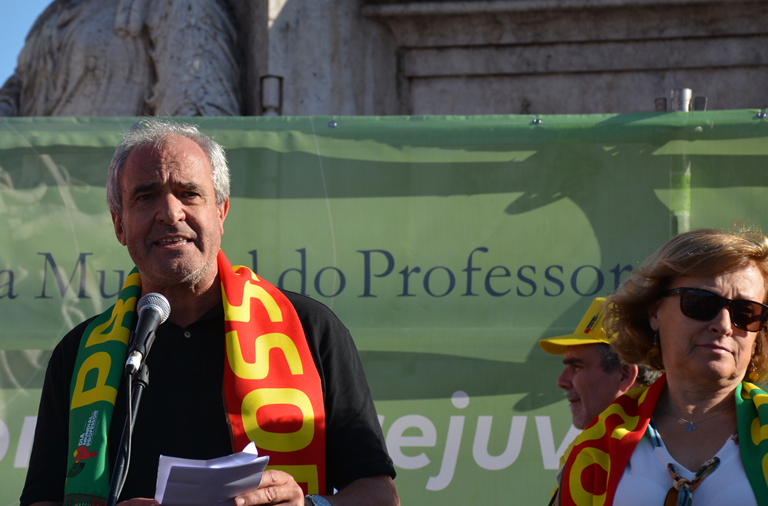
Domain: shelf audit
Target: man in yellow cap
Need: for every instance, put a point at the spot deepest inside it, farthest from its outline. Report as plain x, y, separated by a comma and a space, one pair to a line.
594, 375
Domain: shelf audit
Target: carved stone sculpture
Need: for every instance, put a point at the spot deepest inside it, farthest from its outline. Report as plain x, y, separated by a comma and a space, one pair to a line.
127, 58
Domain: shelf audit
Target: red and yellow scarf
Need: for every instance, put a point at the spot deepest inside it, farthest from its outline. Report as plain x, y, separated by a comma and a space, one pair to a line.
602, 451
272, 389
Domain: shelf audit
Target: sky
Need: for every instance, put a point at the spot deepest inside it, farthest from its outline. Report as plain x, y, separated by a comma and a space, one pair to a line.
17, 19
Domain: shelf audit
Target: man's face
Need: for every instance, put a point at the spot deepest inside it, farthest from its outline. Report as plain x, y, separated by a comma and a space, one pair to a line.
170, 222
589, 389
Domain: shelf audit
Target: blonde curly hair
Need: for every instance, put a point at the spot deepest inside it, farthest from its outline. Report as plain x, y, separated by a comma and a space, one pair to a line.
702, 252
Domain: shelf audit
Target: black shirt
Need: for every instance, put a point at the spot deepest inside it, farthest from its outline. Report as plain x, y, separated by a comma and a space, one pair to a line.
182, 413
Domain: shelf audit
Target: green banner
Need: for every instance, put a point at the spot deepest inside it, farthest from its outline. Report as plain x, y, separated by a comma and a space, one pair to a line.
448, 245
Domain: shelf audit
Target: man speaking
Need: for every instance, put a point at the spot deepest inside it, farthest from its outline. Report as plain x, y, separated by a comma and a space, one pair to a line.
237, 361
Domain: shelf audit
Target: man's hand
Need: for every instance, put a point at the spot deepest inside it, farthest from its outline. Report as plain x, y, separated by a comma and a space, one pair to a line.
276, 487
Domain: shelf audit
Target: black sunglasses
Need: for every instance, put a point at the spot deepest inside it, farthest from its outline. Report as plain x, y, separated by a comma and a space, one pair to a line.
703, 306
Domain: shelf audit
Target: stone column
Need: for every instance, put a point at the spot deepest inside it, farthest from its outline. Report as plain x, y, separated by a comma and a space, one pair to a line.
319, 57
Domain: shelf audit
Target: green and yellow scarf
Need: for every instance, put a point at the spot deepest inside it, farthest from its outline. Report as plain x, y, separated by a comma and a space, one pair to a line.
270, 383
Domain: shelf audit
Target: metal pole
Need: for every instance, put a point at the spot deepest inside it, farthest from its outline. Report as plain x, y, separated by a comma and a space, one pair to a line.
680, 201
680, 99
680, 173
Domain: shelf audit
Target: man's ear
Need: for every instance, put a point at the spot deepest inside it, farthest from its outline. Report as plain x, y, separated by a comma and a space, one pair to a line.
223, 211
628, 377
117, 221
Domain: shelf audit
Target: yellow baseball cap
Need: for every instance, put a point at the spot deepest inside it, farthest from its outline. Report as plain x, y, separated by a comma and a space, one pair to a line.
589, 331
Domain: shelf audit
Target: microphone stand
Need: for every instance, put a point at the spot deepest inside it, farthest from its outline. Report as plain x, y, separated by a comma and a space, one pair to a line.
140, 381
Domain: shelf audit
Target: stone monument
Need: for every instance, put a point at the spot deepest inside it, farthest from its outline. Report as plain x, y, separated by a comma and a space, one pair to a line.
127, 58
387, 57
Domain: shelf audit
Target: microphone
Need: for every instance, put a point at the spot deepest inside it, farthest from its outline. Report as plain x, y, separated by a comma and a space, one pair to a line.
153, 310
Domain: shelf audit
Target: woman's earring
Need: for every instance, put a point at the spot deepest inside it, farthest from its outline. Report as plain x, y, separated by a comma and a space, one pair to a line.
752, 370
655, 350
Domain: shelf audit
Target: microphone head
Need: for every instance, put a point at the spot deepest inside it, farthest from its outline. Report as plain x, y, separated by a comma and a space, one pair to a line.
158, 301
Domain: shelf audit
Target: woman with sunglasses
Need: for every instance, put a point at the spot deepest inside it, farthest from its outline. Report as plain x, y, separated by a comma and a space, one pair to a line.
699, 435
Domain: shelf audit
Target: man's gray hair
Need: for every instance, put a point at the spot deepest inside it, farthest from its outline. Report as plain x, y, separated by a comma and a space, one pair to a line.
154, 132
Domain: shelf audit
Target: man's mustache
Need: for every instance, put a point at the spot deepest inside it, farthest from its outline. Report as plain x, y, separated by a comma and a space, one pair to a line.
572, 395
184, 231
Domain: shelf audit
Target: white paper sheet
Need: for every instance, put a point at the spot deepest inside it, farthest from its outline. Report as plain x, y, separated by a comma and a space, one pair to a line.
186, 482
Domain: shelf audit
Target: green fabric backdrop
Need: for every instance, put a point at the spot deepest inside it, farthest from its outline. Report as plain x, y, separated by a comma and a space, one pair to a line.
448, 245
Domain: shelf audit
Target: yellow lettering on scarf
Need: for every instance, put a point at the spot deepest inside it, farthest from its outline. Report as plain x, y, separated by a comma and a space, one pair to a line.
639, 393
759, 400
765, 467
259, 369
101, 392
273, 441
132, 280
584, 459
597, 431
246, 271
119, 332
758, 432
242, 313
302, 474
